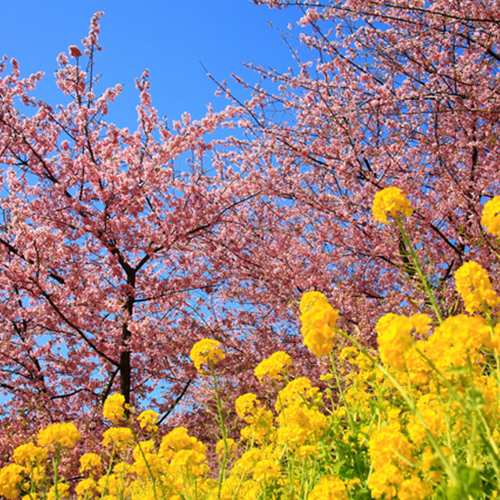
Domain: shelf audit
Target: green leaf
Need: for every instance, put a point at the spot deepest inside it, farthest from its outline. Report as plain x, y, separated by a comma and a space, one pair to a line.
469, 485
458, 370
474, 399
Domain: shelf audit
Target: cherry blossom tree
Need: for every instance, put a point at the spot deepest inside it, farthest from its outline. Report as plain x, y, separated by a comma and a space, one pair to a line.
401, 93
115, 249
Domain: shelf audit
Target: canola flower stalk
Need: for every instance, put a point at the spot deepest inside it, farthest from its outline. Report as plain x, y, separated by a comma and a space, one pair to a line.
341, 390
419, 270
222, 475
208, 351
392, 202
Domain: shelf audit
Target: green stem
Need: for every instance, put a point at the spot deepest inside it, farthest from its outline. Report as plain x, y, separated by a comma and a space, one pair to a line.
56, 470
342, 395
419, 270
222, 472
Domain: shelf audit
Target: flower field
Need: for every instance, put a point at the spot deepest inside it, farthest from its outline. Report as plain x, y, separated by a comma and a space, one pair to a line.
418, 418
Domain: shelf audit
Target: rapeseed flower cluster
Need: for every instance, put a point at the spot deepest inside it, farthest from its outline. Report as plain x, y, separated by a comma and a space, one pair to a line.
474, 285
491, 216
318, 320
390, 202
64, 434
273, 367
206, 351
417, 419
114, 408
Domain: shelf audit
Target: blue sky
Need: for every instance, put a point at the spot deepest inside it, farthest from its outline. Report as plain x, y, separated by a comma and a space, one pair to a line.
169, 37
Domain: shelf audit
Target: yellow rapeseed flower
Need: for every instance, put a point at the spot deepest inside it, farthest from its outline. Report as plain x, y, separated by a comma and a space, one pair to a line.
491, 216
10, 478
30, 496
189, 463
301, 424
245, 489
385, 481
246, 406
148, 419
206, 351
273, 366
111, 486
59, 491
178, 439
27, 454
318, 320
394, 339
90, 462
120, 437
431, 411
146, 460
262, 429
298, 392
457, 341
266, 469
414, 489
300, 420
146, 447
387, 444
113, 408
421, 323
65, 434
262, 463
86, 488
259, 418
232, 447
311, 299
390, 201
474, 286
329, 488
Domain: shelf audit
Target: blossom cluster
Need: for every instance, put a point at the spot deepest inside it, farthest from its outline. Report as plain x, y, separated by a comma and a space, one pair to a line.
390, 202
318, 320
